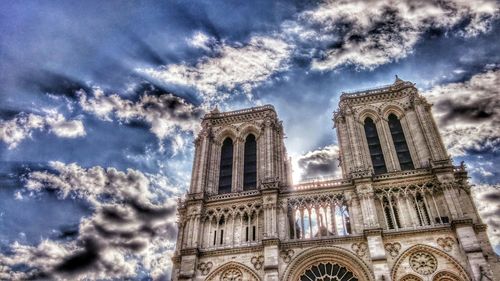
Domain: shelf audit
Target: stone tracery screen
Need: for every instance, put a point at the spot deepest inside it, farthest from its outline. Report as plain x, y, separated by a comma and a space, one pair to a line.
312, 217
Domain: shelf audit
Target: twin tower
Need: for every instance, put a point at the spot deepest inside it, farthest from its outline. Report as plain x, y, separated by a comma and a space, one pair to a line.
401, 211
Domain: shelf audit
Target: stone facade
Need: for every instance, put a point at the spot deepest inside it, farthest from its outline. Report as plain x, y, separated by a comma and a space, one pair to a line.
402, 211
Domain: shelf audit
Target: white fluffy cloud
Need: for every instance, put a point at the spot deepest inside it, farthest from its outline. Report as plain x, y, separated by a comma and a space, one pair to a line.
371, 33
15, 130
165, 113
132, 227
468, 113
234, 66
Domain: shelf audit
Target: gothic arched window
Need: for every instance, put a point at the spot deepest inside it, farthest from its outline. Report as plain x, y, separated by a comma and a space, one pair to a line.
226, 166
250, 163
400, 145
374, 147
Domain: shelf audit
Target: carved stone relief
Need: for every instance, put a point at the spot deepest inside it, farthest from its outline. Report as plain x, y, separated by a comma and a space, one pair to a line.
205, 267
423, 263
393, 249
446, 243
257, 261
287, 255
360, 248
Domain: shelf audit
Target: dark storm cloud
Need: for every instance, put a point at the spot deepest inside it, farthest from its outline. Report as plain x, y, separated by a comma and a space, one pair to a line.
320, 163
131, 225
58, 84
468, 113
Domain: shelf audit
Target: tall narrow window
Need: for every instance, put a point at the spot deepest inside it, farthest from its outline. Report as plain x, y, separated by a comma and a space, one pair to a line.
421, 209
250, 163
226, 166
400, 145
374, 147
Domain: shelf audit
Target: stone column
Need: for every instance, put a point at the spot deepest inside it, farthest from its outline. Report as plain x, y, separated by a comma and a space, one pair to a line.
365, 193
469, 242
271, 242
377, 254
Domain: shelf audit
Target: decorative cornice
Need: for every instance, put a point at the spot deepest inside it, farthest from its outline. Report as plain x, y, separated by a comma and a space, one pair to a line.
230, 251
372, 232
270, 242
461, 222
242, 115
322, 241
480, 227
430, 229
190, 251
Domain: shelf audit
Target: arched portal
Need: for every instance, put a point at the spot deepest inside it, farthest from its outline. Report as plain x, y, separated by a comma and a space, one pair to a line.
327, 263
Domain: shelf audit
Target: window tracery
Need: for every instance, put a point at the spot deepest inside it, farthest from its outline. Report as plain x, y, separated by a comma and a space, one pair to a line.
423, 263
328, 271
318, 216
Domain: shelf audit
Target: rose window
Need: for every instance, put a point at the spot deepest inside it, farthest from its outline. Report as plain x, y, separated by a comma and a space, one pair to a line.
423, 263
327, 271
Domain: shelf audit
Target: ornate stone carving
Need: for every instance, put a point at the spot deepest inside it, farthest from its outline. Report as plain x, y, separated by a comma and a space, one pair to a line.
393, 249
360, 248
287, 255
232, 274
446, 243
423, 263
257, 261
205, 267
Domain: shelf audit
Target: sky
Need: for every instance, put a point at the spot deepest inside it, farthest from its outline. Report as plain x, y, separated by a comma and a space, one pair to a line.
100, 102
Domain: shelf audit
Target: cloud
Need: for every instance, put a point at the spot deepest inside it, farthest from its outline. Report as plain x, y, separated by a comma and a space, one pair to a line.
367, 34
201, 40
320, 163
487, 198
15, 130
165, 113
132, 227
233, 68
468, 113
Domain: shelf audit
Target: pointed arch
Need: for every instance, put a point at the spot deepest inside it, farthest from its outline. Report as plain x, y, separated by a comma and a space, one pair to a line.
249, 128
456, 268
225, 132
317, 255
235, 269
371, 112
392, 108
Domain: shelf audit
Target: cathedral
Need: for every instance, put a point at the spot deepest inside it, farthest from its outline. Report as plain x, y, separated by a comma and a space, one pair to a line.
401, 211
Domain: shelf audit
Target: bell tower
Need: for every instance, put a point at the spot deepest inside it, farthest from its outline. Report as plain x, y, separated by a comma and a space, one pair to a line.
237, 150
387, 129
